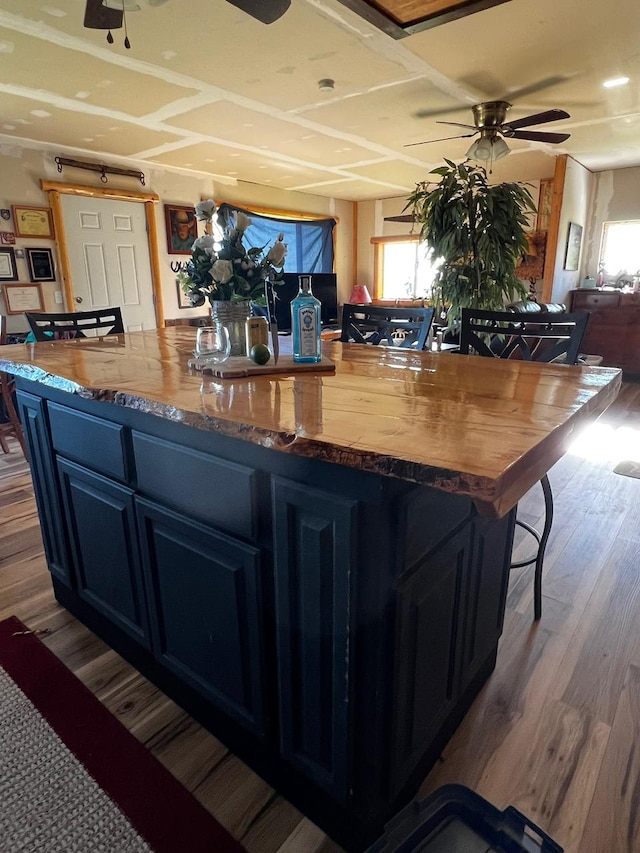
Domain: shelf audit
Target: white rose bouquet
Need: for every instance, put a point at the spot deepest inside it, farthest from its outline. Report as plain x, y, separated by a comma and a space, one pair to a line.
223, 269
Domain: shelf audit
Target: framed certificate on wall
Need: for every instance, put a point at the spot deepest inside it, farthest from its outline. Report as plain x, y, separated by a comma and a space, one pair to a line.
40, 263
8, 269
19, 298
32, 221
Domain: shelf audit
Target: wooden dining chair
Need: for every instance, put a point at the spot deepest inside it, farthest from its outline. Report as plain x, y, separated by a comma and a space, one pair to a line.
395, 327
544, 337
53, 327
9, 420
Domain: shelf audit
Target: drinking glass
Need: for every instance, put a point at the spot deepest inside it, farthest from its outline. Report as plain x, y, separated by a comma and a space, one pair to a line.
212, 344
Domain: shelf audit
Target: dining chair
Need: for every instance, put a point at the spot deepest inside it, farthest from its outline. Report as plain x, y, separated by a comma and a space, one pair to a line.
387, 325
543, 337
101, 321
9, 420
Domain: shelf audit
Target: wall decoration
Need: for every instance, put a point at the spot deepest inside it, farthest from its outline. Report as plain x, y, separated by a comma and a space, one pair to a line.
40, 263
8, 268
32, 221
182, 228
183, 299
574, 241
545, 198
19, 298
7, 238
5, 213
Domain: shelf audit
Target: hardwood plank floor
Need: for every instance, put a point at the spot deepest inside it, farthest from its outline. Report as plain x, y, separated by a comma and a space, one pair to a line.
555, 729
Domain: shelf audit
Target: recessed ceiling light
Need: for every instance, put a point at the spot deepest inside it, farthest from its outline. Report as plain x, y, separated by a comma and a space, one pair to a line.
82, 95
40, 114
326, 84
615, 81
9, 126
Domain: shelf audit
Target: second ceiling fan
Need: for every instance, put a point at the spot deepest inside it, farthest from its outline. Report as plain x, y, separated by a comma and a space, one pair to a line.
490, 121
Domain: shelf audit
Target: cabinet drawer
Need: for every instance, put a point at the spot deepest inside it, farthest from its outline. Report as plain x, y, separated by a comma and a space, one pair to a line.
203, 486
93, 442
599, 299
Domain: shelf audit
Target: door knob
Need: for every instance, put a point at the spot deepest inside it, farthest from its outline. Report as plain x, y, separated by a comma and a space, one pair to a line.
78, 299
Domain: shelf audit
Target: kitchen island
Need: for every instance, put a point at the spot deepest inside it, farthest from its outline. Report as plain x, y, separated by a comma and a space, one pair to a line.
314, 566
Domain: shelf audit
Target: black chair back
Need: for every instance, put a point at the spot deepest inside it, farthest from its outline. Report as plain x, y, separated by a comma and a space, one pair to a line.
390, 326
55, 327
541, 337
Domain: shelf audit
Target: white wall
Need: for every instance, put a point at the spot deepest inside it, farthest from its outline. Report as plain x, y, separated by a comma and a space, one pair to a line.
21, 170
574, 209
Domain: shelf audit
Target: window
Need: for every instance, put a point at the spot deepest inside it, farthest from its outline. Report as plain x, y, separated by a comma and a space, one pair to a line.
309, 240
403, 268
620, 251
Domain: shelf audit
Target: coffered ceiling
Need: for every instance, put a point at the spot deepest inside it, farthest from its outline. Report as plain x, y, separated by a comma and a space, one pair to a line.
207, 89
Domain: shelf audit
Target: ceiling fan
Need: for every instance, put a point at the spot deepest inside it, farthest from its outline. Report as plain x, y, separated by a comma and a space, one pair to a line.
111, 14
490, 121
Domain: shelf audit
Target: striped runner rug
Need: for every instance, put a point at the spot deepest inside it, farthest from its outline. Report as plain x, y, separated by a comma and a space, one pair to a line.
72, 778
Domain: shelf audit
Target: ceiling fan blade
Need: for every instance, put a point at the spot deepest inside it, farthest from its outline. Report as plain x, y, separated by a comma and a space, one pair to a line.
402, 217
538, 118
442, 139
458, 124
266, 11
539, 136
99, 17
441, 112
518, 94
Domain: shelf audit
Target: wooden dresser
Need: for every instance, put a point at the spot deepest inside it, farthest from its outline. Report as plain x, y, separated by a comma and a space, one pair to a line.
614, 326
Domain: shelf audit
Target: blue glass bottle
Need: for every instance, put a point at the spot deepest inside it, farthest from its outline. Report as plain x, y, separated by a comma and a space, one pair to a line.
305, 324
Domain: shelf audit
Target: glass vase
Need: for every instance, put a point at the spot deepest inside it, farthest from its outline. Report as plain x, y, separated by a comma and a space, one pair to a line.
232, 315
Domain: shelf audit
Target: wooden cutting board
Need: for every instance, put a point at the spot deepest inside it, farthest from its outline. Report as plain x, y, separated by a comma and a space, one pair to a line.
239, 366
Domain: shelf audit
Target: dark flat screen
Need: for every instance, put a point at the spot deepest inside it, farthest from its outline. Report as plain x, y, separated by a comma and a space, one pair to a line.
324, 287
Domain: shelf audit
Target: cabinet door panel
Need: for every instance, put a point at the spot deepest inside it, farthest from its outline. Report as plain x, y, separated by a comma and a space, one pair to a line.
430, 628
487, 591
33, 417
102, 531
314, 557
206, 614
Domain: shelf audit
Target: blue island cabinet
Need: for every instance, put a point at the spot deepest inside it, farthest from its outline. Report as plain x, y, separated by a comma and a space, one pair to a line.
330, 626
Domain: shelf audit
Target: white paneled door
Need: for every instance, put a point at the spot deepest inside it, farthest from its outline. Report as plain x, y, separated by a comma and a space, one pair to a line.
109, 260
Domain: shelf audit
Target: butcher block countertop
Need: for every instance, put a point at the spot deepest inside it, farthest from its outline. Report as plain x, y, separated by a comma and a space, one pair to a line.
487, 429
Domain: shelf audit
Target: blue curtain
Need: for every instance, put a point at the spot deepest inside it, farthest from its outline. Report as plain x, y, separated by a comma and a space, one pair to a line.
309, 242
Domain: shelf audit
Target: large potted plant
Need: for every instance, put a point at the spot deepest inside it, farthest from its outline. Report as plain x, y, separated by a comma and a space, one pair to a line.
226, 274
478, 233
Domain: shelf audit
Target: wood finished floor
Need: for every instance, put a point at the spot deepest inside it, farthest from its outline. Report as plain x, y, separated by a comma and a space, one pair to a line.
555, 731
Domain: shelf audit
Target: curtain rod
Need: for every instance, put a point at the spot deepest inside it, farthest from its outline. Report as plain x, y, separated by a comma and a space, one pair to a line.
99, 167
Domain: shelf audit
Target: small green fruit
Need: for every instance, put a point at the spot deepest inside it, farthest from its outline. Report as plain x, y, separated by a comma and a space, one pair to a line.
260, 354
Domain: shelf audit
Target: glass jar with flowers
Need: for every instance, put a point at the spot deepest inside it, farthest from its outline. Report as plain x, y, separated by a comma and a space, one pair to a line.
229, 276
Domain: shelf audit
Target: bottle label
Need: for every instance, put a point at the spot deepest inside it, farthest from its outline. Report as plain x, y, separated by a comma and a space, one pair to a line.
307, 331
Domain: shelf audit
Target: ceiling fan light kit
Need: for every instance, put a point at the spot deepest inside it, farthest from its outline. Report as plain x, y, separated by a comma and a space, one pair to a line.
488, 149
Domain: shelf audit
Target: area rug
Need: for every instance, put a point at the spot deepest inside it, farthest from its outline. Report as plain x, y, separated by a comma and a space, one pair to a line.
72, 778
628, 468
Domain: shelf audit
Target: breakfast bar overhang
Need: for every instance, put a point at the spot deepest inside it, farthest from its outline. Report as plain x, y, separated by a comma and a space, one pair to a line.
314, 566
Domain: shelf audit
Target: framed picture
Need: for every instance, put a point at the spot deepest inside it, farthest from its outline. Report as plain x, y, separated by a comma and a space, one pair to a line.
183, 299
574, 241
8, 268
19, 298
32, 221
40, 263
7, 238
182, 228
545, 198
